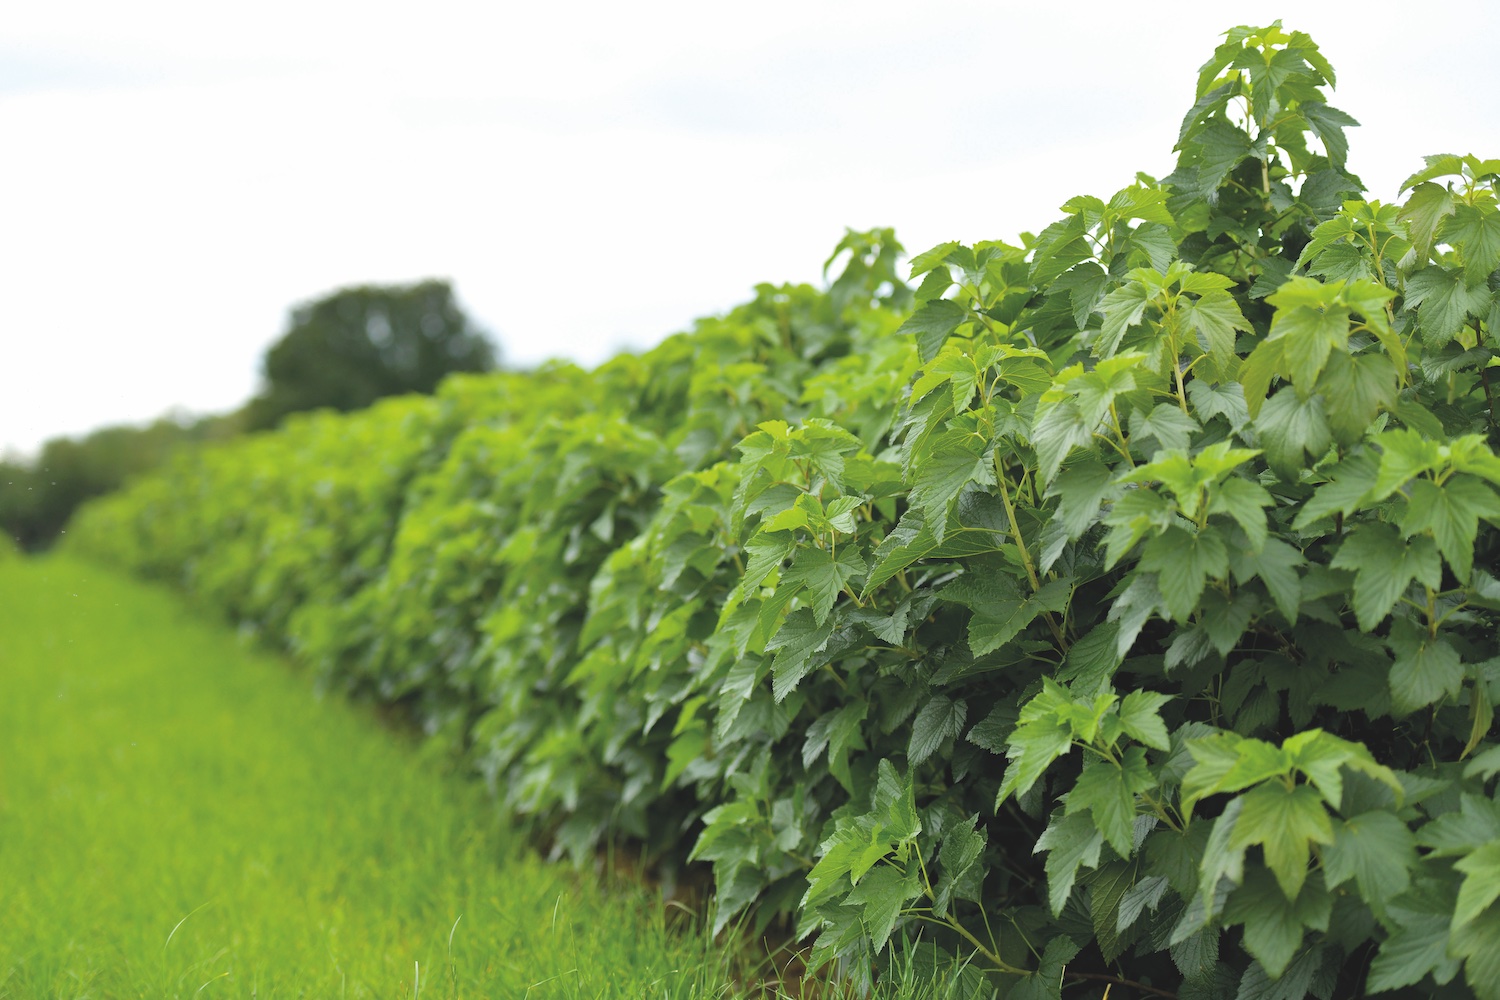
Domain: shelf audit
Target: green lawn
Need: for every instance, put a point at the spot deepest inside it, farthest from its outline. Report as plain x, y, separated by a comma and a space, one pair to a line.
181, 817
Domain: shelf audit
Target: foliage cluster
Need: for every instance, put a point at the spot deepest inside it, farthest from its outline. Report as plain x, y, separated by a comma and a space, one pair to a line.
1111, 608
37, 497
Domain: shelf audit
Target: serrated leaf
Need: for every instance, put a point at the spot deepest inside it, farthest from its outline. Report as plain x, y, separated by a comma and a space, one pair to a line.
796, 645
1166, 424
958, 857
941, 476
1107, 790
932, 324
1375, 849
942, 718
1144, 895
995, 624
1285, 823
1384, 566
1290, 429
1481, 885
1475, 232
1350, 482
1215, 317
1276, 566
1425, 670
1443, 303
1072, 842
1123, 308
929, 259
882, 894
1274, 923
1184, 562
1059, 428
1244, 501
1092, 660
1424, 211
1081, 489
1140, 717
825, 574
1451, 513
1357, 387
1308, 334
1226, 400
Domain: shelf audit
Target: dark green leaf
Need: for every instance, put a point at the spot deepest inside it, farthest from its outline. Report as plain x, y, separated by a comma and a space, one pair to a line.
1384, 566
1290, 428
796, 645
940, 719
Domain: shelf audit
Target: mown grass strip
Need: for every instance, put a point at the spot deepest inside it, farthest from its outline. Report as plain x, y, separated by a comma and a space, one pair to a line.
180, 817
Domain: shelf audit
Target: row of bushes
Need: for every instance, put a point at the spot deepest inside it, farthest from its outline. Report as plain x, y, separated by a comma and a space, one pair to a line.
1112, 609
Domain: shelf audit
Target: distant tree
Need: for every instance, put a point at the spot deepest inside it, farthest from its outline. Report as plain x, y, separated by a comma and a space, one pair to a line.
38, 497
354, 346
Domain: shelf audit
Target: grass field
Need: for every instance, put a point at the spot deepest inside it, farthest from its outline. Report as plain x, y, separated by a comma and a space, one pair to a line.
180, 817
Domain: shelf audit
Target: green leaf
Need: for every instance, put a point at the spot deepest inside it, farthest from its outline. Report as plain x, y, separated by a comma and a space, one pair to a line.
1000, 612
1443, 302
1166, 424
1416, 946
825, 575
1453, 834
1045, 733
1276, 565
1425, 671
1215, 318
1377, 850
1081, 489
1451, 512
942, 718
1092, 660
912, 540
1226, 400
1481, 885
1285, 822
932, 324
1356, 388
1244, 501
1184, 562
1423, 213
940, 477
796, 644
1059, 428
954, 368
1290, 428
1141, 719
1328, 124
1349, 485
929, 259
961, 850
1478, 941
1107, 790
1476, 234
883, 893
1273, 922
1072, 842
1403, 455
1384, 566
1123, 308
1308, 333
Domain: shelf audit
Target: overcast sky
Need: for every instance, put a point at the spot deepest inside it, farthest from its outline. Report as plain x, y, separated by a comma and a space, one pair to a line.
591, 176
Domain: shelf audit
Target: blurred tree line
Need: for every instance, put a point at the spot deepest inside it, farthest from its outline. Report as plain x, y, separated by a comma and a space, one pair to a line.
342, 351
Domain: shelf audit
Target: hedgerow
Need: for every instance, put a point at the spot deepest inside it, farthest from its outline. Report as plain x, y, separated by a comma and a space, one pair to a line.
1113, 608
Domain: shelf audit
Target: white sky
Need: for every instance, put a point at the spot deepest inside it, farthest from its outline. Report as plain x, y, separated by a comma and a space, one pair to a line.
175, 175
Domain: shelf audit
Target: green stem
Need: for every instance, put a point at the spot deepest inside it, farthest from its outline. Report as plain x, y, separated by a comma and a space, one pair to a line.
1015, 530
